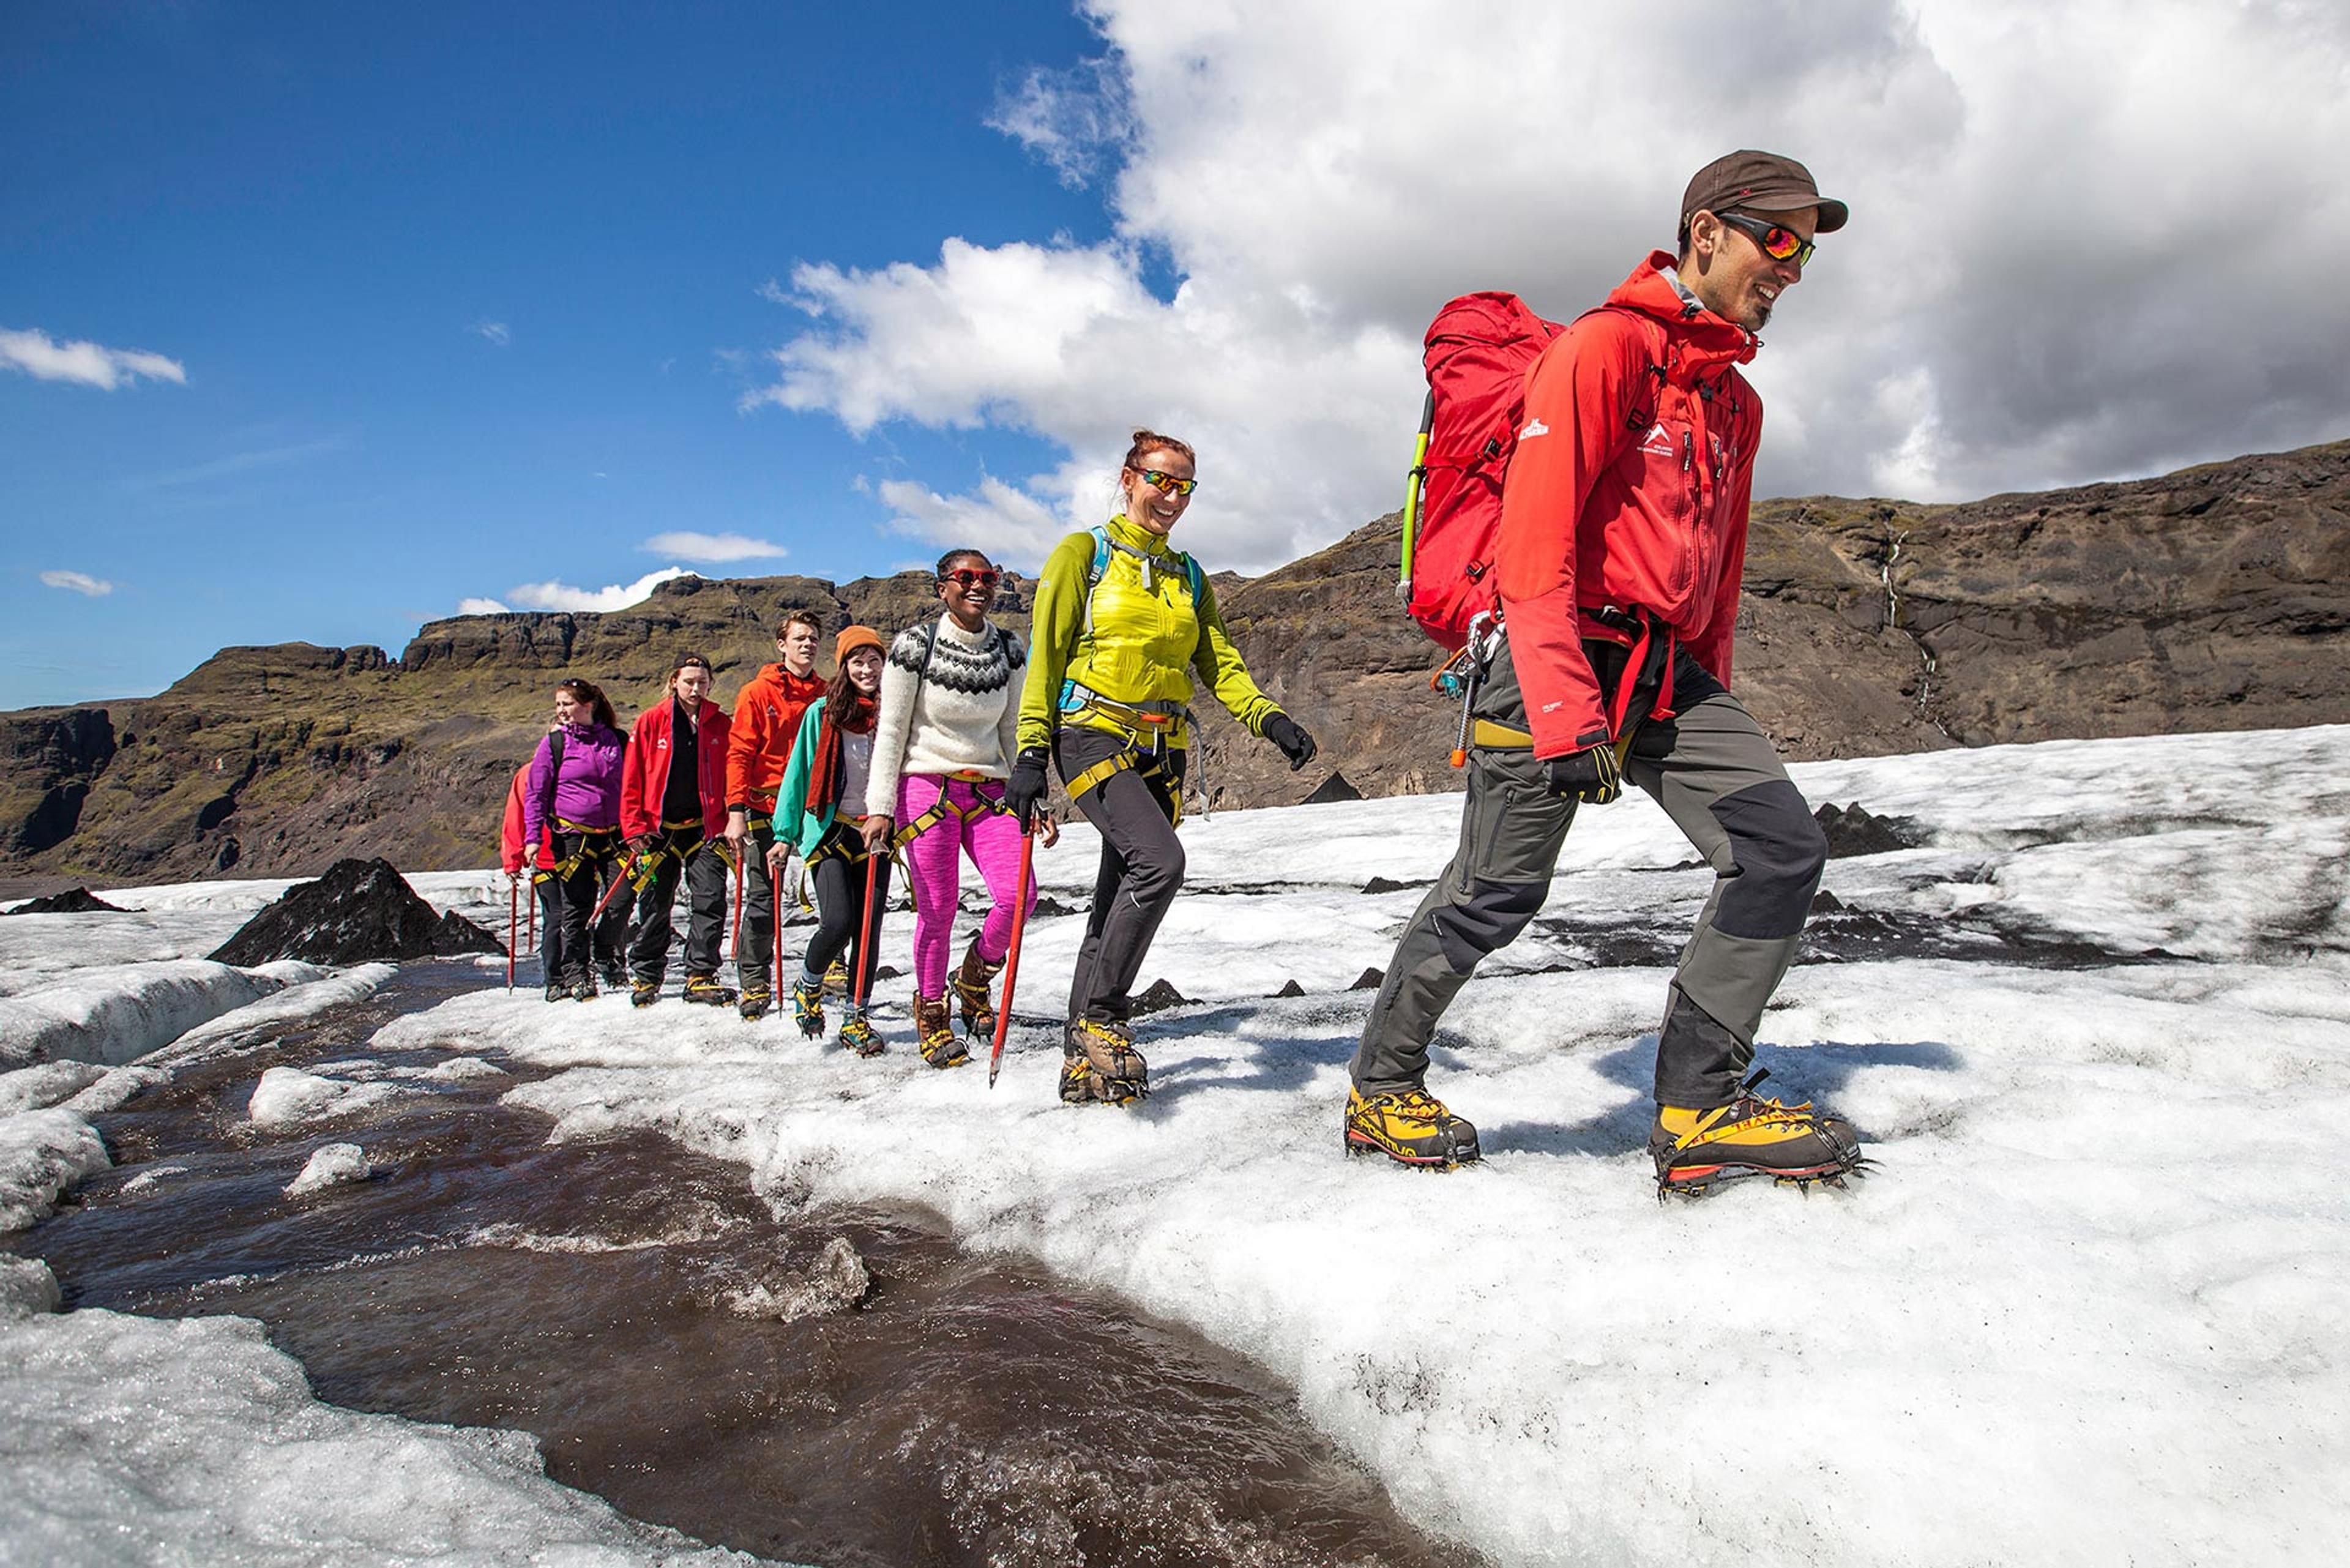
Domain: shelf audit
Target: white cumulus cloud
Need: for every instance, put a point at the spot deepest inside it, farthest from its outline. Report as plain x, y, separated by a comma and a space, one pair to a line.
481, 607
553, 596
2068, 257
79, 583
690, 546
91, 363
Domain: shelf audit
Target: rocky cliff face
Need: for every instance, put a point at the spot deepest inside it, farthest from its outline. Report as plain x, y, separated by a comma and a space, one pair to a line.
2211, 599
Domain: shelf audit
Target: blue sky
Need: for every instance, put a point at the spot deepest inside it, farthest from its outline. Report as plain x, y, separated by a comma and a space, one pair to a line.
317, 322
461, 302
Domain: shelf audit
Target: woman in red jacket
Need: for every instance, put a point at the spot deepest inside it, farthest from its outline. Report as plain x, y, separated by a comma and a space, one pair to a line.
673, 813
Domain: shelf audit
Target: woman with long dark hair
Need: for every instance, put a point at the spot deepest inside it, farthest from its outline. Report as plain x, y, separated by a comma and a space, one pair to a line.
1126, 629
820, 812
574, 791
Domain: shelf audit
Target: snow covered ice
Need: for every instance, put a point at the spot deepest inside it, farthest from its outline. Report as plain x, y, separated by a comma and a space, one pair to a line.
2094, 1306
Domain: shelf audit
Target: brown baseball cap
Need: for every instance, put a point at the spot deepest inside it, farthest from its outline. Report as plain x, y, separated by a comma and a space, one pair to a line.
1759, 183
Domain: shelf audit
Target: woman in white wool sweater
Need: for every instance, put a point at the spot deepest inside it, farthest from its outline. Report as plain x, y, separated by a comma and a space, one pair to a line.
942, 750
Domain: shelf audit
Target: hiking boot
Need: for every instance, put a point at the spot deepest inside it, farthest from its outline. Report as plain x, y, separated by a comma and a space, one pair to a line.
972, 982
580, 989
643, 992
615, 978
856, 1033
753, 1005
1409, 1127
557, 990
1694, 1149
1114, 1070
807, 1007
935, 1036
705, 989
835, 978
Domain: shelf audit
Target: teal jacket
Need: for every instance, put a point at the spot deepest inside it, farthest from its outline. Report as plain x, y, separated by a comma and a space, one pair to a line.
806, 829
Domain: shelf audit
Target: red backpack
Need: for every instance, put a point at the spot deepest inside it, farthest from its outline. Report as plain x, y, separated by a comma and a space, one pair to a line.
1480, 347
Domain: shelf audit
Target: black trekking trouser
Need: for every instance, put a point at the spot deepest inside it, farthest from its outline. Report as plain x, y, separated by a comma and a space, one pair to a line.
844, 927
1142, 865
595, 858
755, 959
1719, 779
547, 889
687, 857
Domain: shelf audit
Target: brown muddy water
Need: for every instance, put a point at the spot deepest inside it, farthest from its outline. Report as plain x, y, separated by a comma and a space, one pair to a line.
966, 1411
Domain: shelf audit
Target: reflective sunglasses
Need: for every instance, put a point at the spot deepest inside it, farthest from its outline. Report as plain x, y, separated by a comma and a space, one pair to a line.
964, 578
1778, 243
1166, 483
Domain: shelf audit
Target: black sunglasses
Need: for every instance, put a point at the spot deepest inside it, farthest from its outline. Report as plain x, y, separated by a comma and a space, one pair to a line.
1778, 243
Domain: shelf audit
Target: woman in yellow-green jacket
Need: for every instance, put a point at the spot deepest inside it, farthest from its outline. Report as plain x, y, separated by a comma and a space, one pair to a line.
1125, 626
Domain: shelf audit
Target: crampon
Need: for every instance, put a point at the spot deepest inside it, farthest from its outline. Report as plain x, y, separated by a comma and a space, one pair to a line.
1698, 1152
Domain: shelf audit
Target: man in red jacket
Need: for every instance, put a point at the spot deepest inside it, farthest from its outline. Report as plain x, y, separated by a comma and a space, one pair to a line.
543, 884
1623, 536
672, 794
758, 746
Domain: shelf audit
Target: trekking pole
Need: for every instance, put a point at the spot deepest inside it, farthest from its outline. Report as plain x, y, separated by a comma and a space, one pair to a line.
870, 938
514, 898
738, 909
1012, 955
775, 904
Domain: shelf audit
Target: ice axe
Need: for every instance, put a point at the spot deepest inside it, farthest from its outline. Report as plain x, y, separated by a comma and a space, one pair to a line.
738, 909
775, 906
869, 937
618, 882
1011, 954
513, 916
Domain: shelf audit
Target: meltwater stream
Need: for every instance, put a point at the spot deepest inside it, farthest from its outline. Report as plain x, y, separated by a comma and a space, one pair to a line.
606, 1295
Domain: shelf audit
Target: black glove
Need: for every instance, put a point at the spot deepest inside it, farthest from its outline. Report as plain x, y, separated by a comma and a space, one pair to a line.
1592, 774
1024, 795
1295, 743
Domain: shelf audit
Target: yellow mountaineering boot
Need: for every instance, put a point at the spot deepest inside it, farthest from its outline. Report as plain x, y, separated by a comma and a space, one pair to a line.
1409, 1127
1751, 1136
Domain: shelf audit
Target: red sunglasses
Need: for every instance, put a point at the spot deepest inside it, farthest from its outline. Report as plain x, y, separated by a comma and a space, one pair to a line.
964, 578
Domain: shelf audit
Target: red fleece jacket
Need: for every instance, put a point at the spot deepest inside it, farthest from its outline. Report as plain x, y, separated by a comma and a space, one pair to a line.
1592, 516
644, 782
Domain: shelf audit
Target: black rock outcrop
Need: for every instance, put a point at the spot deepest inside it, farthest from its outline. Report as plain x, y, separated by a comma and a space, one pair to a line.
1852, 830
73, 901
360, 912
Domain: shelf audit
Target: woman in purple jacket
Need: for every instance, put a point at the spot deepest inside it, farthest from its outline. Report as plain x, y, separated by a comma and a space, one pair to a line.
574, 788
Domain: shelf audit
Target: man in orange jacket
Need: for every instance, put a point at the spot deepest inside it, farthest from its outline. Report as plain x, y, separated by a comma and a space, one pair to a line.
672, 794
1623, 538
758, 746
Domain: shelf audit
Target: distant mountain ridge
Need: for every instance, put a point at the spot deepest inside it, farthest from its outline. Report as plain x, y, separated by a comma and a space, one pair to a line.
2216, 597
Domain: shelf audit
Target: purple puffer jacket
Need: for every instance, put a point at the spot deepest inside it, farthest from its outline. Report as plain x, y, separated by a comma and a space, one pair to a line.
588, 790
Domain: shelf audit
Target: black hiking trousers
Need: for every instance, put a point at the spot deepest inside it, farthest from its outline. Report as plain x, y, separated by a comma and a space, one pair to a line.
570, 951
755, 959
687, 857
1719, 779
845, 927
1141, 866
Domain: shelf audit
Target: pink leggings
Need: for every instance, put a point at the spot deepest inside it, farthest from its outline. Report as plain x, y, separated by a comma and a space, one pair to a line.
934, 867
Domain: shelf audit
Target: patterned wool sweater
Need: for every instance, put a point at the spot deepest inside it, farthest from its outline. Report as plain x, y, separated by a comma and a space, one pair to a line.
962, 719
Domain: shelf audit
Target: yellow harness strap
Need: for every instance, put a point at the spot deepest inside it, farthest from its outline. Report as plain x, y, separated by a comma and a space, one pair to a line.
1496, 737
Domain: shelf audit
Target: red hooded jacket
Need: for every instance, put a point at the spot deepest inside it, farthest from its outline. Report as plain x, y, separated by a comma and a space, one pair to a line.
1592, 516
644, 782
510, 831
759, 743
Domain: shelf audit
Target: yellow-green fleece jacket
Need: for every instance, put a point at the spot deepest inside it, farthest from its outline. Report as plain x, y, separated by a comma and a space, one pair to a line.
1147, 645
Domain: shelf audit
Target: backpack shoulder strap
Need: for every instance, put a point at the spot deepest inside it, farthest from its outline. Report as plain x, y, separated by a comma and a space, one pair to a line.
1094, 575
554, 775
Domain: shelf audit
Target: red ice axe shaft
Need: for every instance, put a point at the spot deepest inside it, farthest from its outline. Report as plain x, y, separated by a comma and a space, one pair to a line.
514, 898
1012, 955
868, 938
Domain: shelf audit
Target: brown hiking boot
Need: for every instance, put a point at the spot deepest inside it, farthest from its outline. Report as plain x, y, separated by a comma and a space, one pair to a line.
934, 1035
1099, 1061
972, 982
